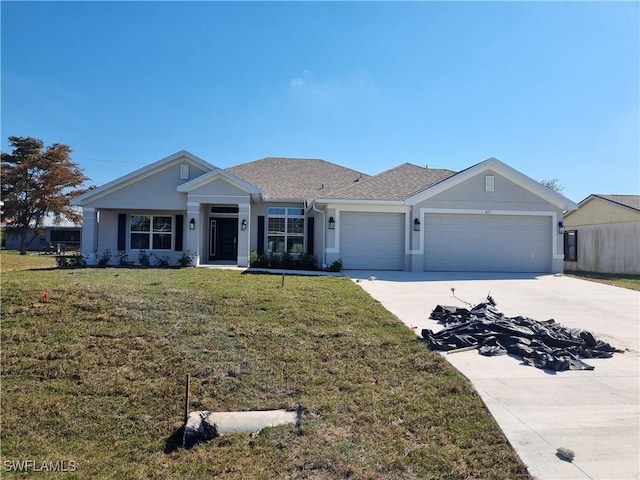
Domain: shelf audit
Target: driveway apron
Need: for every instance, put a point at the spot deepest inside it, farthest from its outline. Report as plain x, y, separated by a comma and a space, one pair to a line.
594, 413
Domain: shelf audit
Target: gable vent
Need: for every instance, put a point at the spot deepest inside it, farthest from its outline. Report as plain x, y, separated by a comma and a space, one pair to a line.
489, 183
184, 172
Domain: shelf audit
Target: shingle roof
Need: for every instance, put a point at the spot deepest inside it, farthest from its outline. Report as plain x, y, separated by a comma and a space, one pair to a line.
399, 183
631, 201
296, 178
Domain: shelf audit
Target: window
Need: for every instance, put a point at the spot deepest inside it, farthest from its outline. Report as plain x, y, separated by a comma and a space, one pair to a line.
571, 246
285, 232
224, 209
151, 232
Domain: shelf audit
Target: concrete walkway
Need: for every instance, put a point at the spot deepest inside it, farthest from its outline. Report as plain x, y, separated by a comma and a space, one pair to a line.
594, 413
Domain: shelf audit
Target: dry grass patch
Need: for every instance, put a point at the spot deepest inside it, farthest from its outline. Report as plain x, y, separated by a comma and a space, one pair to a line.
96, 376
632, 282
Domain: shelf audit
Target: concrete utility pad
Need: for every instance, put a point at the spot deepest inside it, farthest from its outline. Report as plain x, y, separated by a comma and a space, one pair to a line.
594, 413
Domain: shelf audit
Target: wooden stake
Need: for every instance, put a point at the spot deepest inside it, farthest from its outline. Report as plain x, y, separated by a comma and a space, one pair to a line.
283, 280
186, 398
186, 410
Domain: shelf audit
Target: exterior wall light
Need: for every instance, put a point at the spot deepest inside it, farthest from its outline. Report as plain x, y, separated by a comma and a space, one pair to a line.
243, 225
192, 224
332, 223
560, 228
416, 225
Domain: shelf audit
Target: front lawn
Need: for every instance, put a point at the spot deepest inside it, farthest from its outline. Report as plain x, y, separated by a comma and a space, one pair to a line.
96, 377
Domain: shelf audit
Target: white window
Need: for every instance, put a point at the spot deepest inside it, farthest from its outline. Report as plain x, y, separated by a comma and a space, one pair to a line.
148, 232
285, 232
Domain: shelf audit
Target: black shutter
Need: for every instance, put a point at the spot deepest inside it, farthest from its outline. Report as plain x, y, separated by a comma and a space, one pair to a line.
179, 231
122, 231
261, 235
310, 230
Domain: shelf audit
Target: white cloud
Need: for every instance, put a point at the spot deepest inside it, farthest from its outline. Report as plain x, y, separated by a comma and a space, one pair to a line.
302, 81
334, 93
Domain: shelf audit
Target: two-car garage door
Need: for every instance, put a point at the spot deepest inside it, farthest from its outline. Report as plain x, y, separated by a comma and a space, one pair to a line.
372, 240
487, 243
452, 242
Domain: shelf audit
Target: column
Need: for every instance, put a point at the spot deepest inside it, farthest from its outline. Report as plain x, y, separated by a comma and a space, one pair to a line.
192, 243
244, 237
89, 240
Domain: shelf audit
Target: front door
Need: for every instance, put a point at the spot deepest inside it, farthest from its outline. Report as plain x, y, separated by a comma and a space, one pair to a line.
223, 239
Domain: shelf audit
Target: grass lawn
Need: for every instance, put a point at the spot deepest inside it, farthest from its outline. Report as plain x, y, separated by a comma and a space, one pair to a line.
632, 282
96, 376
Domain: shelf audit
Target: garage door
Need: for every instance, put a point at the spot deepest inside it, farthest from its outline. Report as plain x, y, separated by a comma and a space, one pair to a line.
487, 243
372, 240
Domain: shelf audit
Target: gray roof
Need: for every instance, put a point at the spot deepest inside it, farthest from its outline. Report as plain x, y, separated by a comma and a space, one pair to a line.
631, 201
296, 178
304, 178
399, 183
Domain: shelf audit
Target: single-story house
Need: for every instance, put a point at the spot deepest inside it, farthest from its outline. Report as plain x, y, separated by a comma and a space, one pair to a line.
60, 233
488, 217
603, 235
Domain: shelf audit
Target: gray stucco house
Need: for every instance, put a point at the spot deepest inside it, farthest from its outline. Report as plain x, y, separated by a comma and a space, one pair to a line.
488, 217
62, 234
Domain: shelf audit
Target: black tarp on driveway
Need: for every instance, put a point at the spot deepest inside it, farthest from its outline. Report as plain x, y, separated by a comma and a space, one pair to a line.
543, 344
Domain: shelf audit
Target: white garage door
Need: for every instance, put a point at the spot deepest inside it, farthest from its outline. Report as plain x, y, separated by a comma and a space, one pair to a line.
487, 243
372, 240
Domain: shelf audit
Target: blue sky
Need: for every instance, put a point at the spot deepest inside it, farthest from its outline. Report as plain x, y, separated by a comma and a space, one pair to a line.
550, 88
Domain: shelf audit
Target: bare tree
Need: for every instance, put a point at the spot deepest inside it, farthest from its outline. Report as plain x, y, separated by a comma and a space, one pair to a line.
554, 184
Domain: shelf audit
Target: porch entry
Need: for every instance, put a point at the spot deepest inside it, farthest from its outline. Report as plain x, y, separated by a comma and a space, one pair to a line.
223, 239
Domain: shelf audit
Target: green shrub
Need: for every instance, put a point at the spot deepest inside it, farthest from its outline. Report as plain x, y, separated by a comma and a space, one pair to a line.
336, 266
104, 258
186, 259
286, 260
258, 260
308, 262
123, 259
161, 261
76, 260
274, 260
143, 258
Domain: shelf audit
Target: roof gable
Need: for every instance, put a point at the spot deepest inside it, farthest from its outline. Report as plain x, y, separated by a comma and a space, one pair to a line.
295, 178
396, 184
626, 201
519, 178
179, 157
218, 174
605, 209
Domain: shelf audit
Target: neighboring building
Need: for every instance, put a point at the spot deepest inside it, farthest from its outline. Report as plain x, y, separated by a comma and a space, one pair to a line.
488, 217
62, 234
603, 235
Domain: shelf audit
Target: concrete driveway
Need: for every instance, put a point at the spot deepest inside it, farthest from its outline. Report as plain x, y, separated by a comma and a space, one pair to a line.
594, 413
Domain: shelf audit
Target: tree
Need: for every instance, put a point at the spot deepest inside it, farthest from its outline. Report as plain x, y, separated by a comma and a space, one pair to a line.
37, 181
554, 184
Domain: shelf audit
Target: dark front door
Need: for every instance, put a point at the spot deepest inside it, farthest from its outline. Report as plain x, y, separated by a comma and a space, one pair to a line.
223, 239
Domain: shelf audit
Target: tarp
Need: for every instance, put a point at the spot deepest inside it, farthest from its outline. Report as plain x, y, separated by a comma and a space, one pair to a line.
543, 344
